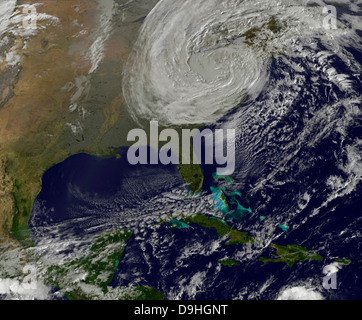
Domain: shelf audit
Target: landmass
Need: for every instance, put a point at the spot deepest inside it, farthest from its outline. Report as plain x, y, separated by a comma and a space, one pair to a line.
229, 262
291, 254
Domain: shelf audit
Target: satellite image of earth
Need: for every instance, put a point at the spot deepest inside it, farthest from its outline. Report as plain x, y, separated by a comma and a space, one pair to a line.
78, 221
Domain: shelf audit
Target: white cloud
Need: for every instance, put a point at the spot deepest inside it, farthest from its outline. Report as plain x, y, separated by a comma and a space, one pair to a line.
13, 289
300, 293
331, 268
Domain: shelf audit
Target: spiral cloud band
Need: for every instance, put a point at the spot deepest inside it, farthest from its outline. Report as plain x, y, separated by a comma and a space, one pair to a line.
196, 60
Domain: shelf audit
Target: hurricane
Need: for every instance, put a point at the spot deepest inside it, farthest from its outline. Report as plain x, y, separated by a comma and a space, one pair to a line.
187, 70
285, 75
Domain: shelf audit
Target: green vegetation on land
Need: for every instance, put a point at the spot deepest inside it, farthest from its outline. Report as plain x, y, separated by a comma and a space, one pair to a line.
221, 228
343, 261
95, 269
145, 293
273, 25
192, 175
179, 224
87, 278
229, 262
124, 293
291, 254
